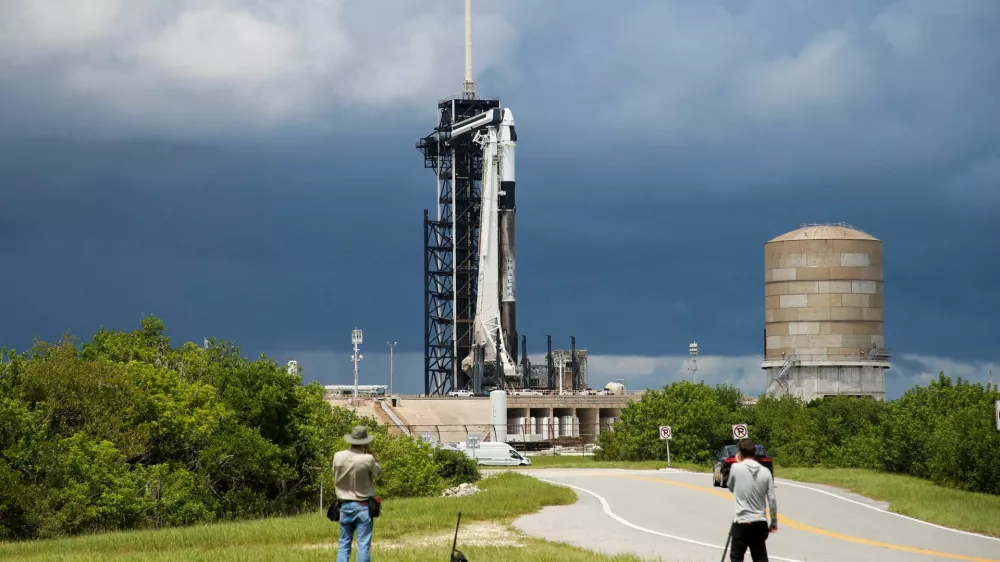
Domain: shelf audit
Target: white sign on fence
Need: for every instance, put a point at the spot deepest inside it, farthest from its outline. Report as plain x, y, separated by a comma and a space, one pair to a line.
740, 431
471, 442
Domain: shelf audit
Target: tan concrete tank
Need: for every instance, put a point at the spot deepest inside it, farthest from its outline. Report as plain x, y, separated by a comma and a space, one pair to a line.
823, 302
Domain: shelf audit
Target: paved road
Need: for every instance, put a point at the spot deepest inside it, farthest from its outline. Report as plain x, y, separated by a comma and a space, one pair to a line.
679, 516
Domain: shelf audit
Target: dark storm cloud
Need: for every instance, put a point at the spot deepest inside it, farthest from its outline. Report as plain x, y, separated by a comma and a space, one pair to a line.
270, 247
769, 93
275, 252
660, 147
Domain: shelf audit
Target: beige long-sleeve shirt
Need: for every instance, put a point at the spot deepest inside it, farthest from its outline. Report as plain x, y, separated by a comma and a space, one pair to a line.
354, 475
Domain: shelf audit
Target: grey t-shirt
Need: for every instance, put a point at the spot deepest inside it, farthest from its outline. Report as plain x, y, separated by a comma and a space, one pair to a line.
752, 484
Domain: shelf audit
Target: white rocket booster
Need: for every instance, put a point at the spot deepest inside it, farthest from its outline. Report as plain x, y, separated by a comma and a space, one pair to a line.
495, 322
508, 313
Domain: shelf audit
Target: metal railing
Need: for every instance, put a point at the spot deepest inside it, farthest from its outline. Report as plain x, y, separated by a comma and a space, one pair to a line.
576, 434
840, 224
393, 417
462, 97
875, 355
537, 393
786, 366
601, 392
781, 378
843, 358
453, 433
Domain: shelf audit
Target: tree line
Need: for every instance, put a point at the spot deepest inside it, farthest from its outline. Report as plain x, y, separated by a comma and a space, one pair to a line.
127, 431
944, 432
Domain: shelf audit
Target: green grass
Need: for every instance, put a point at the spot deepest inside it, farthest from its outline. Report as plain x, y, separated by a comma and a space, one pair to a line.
504, 497
911, 496
570, 461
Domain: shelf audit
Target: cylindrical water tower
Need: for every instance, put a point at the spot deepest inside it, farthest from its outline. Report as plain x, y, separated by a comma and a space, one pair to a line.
824, 324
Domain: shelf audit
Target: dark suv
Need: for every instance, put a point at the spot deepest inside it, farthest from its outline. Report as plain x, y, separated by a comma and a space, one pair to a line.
726, 457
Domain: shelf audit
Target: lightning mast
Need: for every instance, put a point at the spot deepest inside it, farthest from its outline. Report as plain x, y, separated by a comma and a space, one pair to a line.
469, 86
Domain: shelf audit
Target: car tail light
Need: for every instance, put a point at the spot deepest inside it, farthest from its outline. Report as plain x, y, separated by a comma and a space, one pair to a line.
730, 460
765, 459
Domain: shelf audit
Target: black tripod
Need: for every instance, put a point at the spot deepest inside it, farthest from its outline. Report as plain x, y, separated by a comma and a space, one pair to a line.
725, 549
456, 555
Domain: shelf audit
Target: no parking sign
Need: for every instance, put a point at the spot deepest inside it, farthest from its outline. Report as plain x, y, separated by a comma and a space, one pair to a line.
666, 434
740, 431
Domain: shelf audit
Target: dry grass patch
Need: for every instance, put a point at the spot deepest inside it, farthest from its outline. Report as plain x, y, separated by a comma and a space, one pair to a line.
480, 534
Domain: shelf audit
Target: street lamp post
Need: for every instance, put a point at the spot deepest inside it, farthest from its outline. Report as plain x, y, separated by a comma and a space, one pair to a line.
392, 346
356, 339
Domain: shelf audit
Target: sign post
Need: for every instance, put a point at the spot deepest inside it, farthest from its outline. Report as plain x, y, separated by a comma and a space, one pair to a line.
666, 434
740, 431
472, 442
996, 417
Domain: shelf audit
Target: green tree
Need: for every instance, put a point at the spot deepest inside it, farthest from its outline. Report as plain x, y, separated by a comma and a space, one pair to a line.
943, 431
128, 431
696, 414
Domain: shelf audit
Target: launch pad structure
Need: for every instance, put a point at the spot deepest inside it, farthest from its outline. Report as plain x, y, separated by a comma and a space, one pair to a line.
470, 320
451, 245
452, 239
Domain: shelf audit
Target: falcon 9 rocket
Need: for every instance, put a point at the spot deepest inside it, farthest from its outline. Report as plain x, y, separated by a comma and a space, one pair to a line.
508, 276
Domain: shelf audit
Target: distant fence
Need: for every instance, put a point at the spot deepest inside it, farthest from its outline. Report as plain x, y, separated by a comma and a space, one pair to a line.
552, 434
520, 394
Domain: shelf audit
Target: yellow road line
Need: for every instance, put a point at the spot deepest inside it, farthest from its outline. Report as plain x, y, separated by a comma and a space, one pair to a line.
809, 528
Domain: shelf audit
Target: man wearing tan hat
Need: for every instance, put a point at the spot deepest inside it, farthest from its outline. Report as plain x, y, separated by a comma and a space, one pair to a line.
354, 472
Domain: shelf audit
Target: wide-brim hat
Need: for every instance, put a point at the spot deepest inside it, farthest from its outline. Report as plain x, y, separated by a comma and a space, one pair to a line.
359, 436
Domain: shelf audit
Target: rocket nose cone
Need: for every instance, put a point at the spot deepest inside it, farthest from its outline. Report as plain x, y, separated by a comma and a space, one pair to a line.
508, 117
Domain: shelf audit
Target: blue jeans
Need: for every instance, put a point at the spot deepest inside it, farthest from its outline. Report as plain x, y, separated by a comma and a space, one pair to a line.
355, 516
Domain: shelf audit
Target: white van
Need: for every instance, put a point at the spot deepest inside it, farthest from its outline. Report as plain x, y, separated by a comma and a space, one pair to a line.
491, 453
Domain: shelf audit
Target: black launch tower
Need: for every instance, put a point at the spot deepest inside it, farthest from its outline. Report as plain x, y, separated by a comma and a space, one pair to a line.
451, 245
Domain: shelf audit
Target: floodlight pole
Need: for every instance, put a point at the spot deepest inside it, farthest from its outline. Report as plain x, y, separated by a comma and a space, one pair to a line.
693, 352
356, 339
392, 346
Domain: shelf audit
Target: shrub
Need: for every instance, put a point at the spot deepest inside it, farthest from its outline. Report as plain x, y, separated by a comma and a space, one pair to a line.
455, 467
408, 467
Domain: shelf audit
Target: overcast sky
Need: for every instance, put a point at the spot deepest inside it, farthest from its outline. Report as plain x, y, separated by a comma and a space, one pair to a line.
246, 170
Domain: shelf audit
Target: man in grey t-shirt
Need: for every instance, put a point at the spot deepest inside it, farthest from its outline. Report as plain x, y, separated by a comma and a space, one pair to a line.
751, 485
